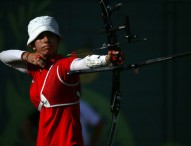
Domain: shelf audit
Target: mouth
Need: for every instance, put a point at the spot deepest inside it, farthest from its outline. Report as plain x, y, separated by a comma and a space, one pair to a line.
46, 47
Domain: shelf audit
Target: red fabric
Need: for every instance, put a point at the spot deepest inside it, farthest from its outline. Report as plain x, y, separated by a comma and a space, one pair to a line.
58, 126
54, 89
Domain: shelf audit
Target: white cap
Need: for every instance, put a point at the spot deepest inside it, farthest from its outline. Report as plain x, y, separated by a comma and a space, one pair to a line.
41, 24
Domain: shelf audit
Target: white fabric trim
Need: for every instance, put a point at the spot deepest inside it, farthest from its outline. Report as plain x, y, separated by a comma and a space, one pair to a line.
40, 106
46, 104
44, 101
67, 84
42, 97
45, 79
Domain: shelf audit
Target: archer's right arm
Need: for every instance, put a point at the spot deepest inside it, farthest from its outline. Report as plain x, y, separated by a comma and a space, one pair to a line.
14, 59
18, 59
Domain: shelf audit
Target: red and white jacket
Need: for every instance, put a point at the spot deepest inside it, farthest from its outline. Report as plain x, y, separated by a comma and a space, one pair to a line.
56, 94
52, 85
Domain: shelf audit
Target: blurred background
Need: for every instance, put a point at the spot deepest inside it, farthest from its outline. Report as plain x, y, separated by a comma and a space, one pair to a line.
155, 106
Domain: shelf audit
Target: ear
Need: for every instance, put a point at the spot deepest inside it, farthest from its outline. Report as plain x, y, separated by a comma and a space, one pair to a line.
34, 48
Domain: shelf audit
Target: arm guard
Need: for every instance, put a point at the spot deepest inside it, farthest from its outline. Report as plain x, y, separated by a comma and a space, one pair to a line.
88, 62
95, 61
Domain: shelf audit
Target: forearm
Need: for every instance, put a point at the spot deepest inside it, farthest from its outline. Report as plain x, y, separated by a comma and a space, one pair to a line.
88, 62
13, 58
10, 56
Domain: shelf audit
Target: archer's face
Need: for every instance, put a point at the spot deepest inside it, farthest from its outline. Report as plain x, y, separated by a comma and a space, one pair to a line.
46, 43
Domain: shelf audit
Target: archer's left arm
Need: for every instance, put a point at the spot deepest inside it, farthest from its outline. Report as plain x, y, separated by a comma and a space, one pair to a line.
90, 61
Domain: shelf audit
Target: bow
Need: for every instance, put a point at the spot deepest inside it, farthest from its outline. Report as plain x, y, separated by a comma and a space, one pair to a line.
112, 44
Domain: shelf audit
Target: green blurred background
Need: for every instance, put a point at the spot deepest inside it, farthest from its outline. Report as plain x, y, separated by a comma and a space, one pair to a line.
155, 107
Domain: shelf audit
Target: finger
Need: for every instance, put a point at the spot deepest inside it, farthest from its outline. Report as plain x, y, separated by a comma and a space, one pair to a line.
41, 62
41, 56
38, 56
114, 52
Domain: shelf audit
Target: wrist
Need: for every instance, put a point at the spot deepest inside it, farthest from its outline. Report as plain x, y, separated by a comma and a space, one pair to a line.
24, 56
107, 59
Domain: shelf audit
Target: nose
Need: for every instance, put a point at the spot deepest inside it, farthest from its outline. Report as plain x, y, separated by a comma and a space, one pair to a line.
46, 38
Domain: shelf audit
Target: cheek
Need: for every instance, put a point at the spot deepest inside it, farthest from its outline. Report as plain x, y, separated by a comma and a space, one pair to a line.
37, 44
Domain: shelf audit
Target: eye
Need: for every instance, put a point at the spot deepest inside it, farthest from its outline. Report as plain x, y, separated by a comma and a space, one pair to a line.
50, 34
40, 36
47, 34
